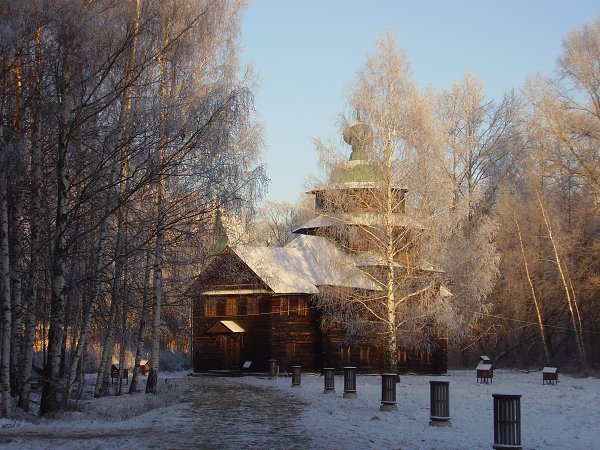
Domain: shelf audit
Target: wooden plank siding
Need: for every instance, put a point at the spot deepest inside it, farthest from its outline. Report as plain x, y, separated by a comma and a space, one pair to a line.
295, 338
257, 331
278, 331
285, 328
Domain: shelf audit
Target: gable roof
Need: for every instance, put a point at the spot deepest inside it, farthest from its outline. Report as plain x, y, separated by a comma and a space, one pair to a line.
331, 266
304, 264
282, 269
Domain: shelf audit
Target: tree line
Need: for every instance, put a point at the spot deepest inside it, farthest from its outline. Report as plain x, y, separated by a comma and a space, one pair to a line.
504, 195
124, 126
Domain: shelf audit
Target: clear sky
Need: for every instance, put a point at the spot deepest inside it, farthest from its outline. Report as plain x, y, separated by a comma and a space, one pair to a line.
305, 53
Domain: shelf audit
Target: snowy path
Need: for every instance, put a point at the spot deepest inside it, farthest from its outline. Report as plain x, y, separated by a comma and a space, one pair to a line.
212, 417
257, 413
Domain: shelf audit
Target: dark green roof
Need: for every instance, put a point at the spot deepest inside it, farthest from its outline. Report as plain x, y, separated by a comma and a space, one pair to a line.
348, 173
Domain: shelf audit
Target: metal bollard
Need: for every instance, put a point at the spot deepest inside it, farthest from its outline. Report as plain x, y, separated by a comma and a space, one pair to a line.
296, 376
349, 382
507, 421
440, 403
329, 379
272, 369
388, 392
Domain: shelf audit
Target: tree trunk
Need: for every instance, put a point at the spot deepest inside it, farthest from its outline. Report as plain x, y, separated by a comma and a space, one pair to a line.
124, 308
390, 250
142, 325
102, 379
16, 230
34, 229
151, 383
570, 301
56, 334
16, 302
77, 355
533, 295
5, 295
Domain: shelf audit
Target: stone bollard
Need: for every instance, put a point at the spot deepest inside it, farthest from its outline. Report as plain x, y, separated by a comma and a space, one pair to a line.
349, 382
329, 379
440, 403
507, 421
388, 392
272, 369
296, 376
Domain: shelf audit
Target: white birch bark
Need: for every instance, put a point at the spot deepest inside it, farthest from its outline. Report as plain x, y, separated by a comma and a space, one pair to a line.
157, 287
16, 294
5, 294
102, 378
533, 295
390, 253
16, 231
142, 325
571, 302
36, 161
56, 333
77, 354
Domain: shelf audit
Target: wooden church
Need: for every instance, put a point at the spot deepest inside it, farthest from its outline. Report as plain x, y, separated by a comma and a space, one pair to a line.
258, 303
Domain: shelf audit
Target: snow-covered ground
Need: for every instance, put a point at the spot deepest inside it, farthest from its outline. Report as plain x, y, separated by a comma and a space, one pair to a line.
563, 416
203, 412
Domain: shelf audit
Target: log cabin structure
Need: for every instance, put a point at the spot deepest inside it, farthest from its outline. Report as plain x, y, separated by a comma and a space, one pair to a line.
257, 303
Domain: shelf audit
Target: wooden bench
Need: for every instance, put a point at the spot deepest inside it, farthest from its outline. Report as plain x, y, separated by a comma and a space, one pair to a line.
114, 374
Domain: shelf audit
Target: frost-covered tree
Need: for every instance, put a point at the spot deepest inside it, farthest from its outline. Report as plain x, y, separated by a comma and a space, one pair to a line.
88, 146
403, 243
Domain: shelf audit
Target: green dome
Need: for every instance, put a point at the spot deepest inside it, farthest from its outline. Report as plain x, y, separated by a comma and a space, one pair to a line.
358, 169
355, 173
360, 137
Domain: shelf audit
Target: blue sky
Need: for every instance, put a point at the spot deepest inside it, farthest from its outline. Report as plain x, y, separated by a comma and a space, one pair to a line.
306, 52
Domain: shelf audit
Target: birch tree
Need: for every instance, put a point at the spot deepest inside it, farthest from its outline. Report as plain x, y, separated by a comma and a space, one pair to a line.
398, 136
79, 94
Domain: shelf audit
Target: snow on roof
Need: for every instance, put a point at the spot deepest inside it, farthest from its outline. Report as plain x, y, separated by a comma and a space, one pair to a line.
367, 219
225, 327
234, 327
302, 265
550, 370
331, 266
283, 269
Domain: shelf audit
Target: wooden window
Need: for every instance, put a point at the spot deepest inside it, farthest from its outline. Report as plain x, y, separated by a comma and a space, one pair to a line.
284, 306
231, 308
290, 350
365, 356
252, 306
424, 357
210, 307
264, 306
220, 307
242, 307
302, 307
401, 356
